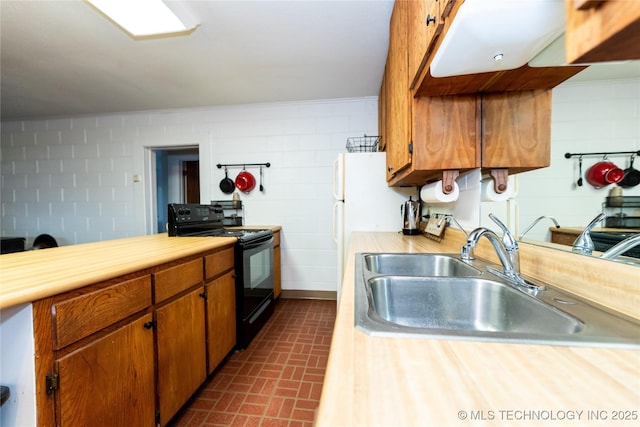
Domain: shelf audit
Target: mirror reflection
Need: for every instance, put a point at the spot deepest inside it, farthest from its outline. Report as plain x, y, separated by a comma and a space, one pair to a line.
598, 110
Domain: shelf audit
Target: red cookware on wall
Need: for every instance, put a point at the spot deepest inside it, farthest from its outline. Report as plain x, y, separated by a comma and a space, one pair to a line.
604, 173
245, 181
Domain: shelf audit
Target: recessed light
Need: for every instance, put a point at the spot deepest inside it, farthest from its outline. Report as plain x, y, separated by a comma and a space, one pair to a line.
142, 18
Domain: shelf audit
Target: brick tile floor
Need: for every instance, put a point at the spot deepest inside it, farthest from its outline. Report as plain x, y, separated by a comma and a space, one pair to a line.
277, 380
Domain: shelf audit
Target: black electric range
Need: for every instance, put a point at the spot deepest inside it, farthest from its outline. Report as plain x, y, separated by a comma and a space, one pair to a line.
253, 257
207, 220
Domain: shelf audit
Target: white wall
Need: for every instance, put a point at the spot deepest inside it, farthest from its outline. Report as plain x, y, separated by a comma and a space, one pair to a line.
73, 177
17, 366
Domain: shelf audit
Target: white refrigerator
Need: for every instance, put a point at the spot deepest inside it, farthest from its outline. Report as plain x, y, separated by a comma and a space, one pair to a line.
363, 201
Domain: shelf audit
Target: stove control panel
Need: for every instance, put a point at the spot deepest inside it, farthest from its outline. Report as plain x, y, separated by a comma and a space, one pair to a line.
183, 216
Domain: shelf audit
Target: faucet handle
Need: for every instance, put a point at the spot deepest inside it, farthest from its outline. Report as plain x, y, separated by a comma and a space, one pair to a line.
510, 243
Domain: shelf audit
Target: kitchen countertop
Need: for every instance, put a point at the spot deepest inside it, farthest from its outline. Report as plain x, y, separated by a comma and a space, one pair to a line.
403, 382
28, 276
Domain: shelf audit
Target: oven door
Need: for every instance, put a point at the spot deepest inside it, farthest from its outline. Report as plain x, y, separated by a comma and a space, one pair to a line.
254, 270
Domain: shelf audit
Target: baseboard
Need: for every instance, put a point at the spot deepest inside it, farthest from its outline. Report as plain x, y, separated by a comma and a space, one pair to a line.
302, 294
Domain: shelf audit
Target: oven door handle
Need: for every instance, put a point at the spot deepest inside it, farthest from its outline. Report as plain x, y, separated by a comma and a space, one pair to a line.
258, 243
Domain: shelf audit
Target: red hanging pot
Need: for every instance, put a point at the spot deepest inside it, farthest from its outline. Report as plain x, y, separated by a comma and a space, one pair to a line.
604, 173
245, 181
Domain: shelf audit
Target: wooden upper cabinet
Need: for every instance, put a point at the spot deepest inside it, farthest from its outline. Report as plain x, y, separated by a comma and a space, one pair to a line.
398, 96
516, 130
424, 23
445, 136
606, 30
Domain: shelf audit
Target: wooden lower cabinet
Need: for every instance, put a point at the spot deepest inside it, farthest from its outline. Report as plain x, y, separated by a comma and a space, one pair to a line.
277, 266
221, 318
130, 351
109, 381
181, 351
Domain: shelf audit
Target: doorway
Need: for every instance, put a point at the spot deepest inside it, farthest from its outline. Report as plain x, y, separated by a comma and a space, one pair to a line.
177, 173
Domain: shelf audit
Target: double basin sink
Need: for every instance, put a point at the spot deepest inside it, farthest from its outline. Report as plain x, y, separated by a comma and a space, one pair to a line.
441, 296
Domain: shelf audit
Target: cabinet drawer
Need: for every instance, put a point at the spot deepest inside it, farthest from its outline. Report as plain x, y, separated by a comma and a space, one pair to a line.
81, 316
218, 262
174, 280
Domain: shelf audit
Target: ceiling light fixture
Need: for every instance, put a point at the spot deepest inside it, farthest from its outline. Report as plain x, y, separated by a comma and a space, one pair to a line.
143, 18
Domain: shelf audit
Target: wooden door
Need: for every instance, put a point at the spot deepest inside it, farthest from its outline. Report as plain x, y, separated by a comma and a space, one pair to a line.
221, 318
181, 351
191, 181
398, 97
110, 381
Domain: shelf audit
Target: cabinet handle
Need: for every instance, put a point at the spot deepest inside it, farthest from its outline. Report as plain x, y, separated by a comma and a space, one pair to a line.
431, 19
203, 295
150, 325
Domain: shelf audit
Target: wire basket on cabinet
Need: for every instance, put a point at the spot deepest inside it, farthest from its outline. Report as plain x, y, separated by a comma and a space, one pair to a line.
363, 144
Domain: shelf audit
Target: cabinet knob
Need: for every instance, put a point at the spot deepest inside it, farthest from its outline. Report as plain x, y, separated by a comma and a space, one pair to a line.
149, 325
431, 19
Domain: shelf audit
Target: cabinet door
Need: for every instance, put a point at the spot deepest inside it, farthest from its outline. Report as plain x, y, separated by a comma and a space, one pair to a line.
445, 133
277, 272
221, 318
109, 382
516, 130
398, 108
599, 31
181, 351
424, 24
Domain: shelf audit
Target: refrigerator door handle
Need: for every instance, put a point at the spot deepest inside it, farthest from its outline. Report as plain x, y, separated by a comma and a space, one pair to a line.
334, 222
337, 180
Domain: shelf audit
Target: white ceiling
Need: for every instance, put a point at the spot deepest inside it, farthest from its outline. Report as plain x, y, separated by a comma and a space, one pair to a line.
62, 58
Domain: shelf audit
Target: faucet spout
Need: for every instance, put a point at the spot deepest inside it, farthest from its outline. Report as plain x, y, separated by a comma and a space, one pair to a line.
622, 247
583, 244
537, 220
467, 250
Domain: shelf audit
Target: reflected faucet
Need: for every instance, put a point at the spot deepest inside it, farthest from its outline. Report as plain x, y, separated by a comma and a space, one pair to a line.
510, 244
451, 217
537, 221
622, 247
508, 271
583, 244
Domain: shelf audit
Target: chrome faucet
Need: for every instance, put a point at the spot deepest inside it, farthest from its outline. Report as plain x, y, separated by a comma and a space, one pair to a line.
622, 247
583, 244
537, 221
510, 244
508, 271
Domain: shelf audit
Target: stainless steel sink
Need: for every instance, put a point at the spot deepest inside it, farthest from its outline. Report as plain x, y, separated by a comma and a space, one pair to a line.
418, 265
474, 304
448, 301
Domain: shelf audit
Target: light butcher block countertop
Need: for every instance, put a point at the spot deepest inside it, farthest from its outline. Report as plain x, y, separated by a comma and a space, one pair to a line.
28, 276
404, 382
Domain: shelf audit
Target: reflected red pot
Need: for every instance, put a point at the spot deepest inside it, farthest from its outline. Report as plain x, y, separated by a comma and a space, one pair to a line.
245, 181
604, 173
